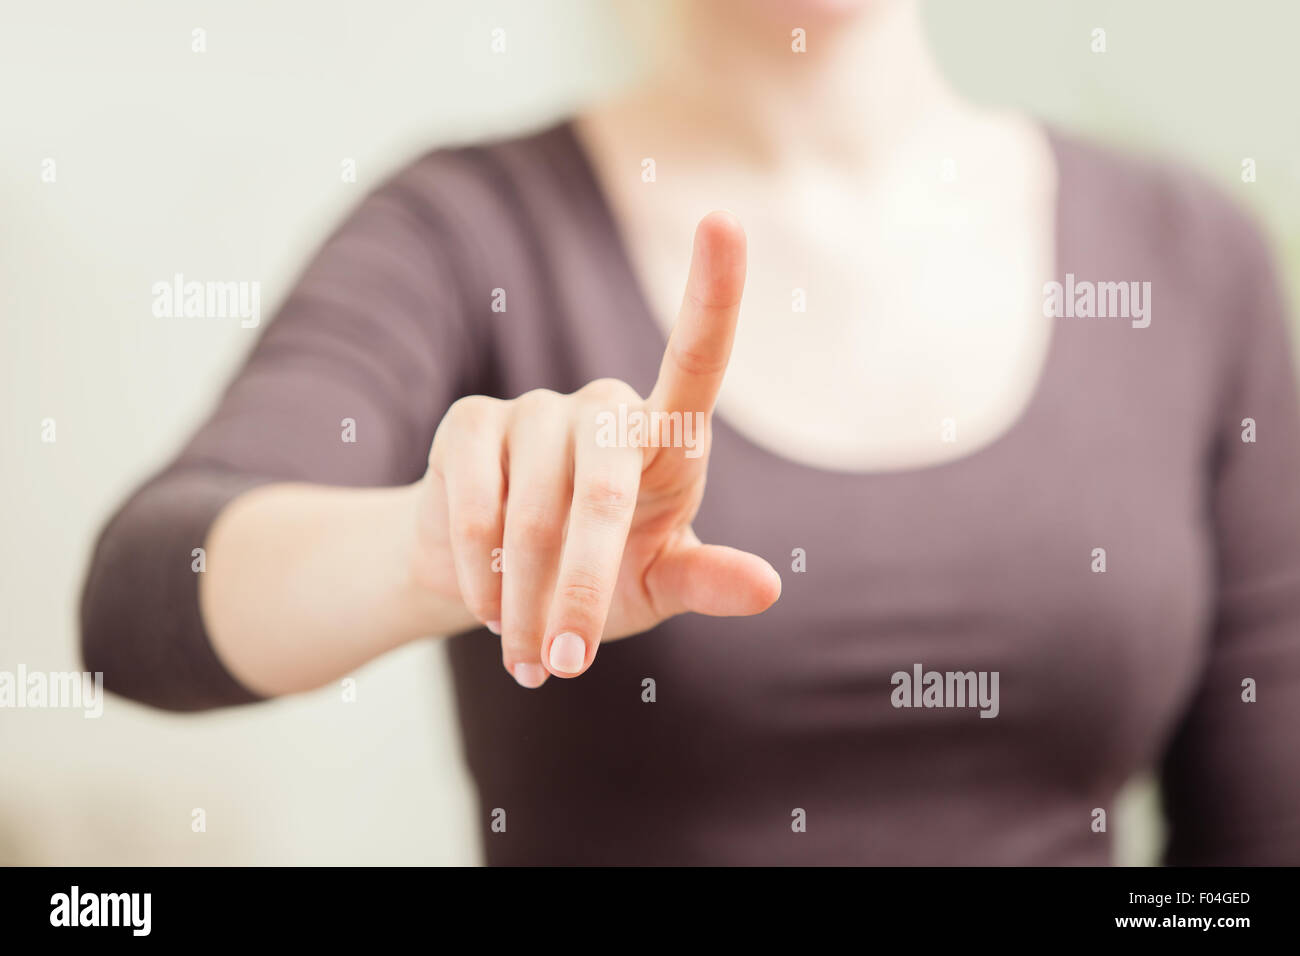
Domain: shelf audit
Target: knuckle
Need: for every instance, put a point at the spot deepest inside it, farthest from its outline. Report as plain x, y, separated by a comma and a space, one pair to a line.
533, 522
470, 410
605, 499
482, 607
607, 390
535, 401
714, 300
695, 361
475, 526
520, 645
582, 592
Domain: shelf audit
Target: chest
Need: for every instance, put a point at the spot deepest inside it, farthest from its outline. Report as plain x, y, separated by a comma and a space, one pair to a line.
875, 334
1087, 597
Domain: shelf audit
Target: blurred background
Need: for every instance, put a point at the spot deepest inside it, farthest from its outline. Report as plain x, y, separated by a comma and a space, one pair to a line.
227, 163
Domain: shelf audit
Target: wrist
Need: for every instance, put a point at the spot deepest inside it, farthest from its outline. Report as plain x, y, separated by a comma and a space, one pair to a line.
423, 602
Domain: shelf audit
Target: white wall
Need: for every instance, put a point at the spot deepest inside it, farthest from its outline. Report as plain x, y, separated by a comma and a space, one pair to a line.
226, 164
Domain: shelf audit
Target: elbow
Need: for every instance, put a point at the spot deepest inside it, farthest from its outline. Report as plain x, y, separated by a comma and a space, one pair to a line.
140, 626
112, 641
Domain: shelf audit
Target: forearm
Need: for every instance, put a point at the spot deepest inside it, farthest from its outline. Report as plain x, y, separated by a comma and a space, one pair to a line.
304, 583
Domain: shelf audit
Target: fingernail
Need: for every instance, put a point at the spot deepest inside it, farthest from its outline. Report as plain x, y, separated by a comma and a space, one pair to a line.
493, 626
567, 653
529, 675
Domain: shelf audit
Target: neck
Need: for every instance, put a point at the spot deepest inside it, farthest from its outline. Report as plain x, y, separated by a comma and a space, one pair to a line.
863, 85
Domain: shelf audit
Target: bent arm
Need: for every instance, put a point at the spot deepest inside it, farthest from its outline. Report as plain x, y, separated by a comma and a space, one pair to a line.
300, 517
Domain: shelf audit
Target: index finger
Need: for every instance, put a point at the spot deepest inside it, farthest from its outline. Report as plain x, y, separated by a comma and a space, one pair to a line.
699, 347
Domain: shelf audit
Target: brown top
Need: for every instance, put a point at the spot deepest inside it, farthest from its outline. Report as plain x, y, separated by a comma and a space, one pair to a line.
1132, 442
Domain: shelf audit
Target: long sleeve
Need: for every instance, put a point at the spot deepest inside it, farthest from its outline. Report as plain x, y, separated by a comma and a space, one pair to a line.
376, 331
1231, 777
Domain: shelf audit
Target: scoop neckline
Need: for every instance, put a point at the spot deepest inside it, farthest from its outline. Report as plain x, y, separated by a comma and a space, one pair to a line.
1048, 371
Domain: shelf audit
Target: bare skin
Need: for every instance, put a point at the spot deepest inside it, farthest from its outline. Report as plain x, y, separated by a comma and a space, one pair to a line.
918, 227
923, 292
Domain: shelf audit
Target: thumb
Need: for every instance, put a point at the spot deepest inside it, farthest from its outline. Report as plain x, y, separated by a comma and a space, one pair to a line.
712, 579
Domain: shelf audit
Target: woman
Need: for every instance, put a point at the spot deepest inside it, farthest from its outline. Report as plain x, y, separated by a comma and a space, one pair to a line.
969, 510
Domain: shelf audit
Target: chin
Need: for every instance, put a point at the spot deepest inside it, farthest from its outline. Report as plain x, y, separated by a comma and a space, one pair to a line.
815, 9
